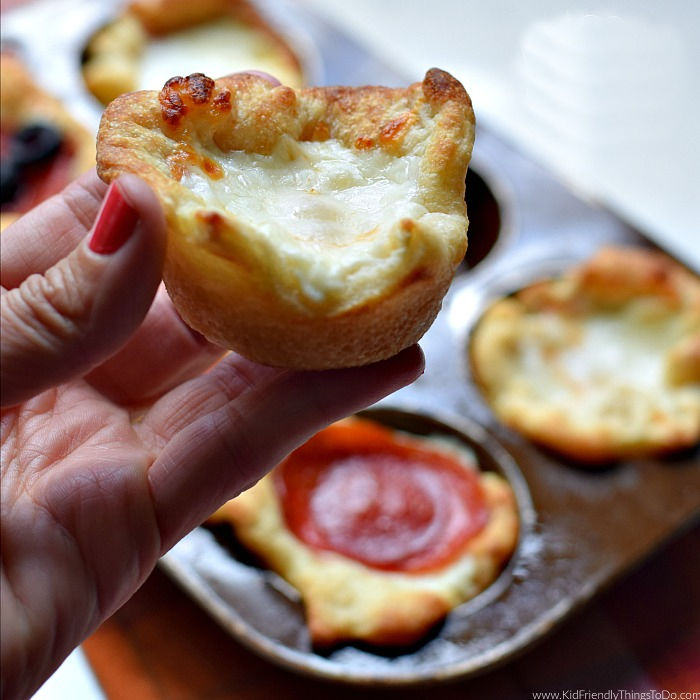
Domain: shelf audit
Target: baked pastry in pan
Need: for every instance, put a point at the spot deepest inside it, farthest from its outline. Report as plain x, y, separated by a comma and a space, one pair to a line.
381, 532
43, 146
310, 228
601, 363
151, 40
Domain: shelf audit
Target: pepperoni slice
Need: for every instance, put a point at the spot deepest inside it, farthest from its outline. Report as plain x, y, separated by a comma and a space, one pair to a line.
390, 501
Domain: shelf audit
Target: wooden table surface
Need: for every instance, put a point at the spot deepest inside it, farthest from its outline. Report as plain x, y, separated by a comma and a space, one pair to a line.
642, 634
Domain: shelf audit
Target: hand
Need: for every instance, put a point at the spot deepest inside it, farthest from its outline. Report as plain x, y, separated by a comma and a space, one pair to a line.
119, 436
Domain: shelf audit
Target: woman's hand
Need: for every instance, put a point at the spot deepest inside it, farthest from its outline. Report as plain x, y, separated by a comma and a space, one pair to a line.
122, 429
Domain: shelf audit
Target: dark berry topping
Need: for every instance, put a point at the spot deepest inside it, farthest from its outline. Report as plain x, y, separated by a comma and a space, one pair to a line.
34, 144
9, 179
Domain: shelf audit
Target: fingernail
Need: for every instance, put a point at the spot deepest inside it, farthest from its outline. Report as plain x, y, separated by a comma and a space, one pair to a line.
115, 223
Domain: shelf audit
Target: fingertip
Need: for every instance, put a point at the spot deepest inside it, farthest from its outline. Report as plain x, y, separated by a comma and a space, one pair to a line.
379, 379
409, 364
258, 73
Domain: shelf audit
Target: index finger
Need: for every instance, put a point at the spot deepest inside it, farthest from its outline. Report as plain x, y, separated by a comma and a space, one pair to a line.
50, 231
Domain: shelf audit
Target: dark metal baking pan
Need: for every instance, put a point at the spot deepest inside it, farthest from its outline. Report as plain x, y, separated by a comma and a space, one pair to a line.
581, 529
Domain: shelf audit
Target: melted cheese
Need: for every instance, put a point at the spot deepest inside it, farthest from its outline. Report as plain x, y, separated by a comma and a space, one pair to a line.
330, 215
602, 370
215, 49
314, 191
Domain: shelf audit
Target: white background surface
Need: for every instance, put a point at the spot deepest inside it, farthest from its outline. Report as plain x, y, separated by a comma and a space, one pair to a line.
606, 94
74, 680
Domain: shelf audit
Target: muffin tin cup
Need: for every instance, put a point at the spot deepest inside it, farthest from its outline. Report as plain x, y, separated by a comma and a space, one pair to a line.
266, 614
490, 221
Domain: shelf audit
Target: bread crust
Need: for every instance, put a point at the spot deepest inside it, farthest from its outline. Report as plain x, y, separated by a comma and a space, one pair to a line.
345, 600
112, 61
249, 292
24, 102
645, 310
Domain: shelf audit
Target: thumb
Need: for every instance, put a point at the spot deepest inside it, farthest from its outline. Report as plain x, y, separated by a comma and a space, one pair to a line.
59, 325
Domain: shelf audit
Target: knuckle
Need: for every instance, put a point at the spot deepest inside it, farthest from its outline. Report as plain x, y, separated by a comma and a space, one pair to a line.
82, 204
51, 309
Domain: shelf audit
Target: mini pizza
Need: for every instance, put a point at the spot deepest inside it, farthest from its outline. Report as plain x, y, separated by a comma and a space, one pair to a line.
42, 146
601, 363
383, 533
311, 228
152, 40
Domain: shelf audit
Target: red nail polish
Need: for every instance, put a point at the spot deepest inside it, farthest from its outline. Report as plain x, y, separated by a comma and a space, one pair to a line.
115, 223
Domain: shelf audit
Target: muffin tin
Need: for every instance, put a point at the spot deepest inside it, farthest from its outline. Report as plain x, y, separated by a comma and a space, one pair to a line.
580, 529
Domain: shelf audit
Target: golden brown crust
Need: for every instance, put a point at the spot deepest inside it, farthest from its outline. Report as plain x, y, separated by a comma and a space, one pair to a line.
164, 16
250, 292
112, 61
346, 600
601, 363
24, 102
